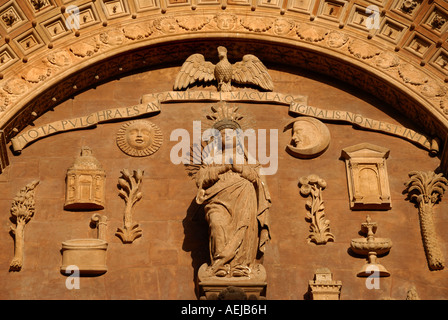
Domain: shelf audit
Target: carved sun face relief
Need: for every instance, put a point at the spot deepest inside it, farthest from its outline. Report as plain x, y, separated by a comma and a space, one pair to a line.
139, 138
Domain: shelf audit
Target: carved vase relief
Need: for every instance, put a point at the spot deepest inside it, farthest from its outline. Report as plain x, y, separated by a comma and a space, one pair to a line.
426, 189
87, 255
310, 138
129, 185
85, 183
367, 179
139, 138
22, 210
312, 186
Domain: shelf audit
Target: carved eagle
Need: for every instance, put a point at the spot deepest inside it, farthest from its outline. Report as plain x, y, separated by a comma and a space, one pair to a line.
250, 70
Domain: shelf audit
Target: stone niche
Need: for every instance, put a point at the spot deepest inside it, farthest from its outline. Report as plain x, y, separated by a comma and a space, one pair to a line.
368, 183
85, 183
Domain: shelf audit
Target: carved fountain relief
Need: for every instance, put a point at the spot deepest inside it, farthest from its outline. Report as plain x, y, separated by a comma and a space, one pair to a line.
371, 247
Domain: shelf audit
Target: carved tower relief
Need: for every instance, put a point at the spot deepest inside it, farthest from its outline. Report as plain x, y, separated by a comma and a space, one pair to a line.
85, 183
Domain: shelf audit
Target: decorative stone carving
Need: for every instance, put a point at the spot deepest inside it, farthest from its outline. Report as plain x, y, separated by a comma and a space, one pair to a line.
367, 179
426, 189
129, 185
362, 50
114, 37
313, 185
22, 210
412, 75
412, 294
225, 21
84, 49
59, 58
166, 25
248, 71
35, 75
196, 24
85, 183
283, 26
323, 287
236, 204
139, 138
387, 60
136, 32
310, 137
371, 247
311, 33
256, 24
88, 255
336, 39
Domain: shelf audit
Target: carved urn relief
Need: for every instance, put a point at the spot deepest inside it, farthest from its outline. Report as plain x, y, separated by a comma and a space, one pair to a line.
367, 179
85, 183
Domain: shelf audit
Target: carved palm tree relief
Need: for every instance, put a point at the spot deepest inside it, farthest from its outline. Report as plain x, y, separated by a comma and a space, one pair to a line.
426, 189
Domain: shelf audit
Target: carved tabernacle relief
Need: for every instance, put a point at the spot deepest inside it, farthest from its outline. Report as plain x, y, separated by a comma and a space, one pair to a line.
371, 247
367, 179
139, 138
236, 204
310, 137
88, 255
129, 185
22, 210
248, 71
426, 189
313, 185
85, 183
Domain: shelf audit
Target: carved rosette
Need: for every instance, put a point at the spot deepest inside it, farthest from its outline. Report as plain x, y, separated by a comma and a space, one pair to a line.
426, 189
129, 185
312, 186
22, 210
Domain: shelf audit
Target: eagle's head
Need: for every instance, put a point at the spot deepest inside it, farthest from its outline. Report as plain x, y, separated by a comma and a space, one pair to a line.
222, 52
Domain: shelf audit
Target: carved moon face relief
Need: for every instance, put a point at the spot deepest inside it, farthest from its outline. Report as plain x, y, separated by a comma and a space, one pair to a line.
139, 138
310, 138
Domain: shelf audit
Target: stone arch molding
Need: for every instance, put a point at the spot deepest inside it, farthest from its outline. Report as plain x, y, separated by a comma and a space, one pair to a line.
43, 62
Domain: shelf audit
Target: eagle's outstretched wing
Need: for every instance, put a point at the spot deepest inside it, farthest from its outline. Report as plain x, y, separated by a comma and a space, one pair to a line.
251, 70
195, 68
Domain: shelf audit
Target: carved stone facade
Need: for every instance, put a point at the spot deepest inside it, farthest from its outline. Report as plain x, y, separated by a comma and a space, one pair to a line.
303, 82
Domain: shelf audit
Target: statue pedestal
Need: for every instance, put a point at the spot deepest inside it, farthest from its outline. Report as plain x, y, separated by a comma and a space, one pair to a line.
252, 287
